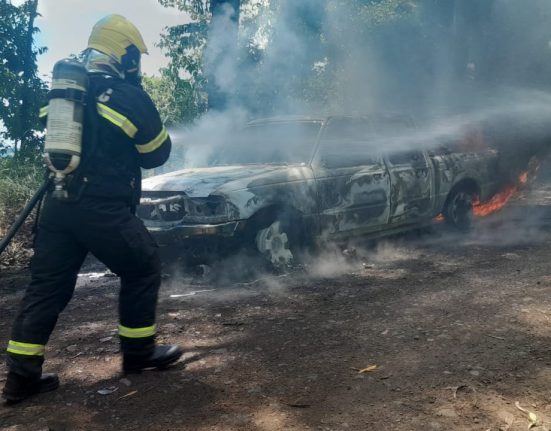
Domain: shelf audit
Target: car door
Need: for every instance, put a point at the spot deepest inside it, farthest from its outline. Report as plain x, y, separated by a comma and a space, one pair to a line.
352, 184
411, 184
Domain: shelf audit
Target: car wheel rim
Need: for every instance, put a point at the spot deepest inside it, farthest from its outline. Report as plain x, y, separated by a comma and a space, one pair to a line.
273, 242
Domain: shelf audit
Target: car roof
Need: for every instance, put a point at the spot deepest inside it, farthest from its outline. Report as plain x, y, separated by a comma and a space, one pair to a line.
287, 118
388, 116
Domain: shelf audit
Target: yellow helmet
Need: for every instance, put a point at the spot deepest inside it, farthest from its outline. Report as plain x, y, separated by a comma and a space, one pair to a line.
113, 35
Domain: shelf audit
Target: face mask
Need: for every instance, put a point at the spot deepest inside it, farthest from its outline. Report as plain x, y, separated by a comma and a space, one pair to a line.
131, 63
98, 62
134, 78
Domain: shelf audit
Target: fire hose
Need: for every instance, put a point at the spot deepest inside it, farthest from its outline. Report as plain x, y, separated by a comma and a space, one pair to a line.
24, 214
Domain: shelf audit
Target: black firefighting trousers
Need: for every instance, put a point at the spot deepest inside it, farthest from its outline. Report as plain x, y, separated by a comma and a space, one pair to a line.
66, 233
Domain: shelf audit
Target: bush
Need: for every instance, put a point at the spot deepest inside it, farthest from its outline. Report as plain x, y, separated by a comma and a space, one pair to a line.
18, 183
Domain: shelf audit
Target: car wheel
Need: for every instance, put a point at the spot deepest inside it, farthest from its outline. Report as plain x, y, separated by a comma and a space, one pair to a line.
458, 211
274, 242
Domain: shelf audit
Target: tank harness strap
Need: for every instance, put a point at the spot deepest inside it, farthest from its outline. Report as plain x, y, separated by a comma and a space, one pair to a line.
71, 94
79, 178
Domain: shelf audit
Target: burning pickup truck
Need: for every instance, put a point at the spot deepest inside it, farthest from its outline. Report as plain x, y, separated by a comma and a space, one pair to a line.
285, 182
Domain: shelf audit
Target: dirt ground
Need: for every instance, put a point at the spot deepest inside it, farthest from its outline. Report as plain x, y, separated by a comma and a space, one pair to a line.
451, 333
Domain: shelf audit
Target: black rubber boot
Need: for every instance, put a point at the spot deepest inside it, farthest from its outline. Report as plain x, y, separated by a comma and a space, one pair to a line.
19, 388
161, 358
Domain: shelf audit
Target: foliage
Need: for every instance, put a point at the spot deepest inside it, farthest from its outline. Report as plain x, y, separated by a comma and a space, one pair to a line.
183, 77
21, 90
175, 98
18, 183
383, 12
21, 94
196, 8
184, 46
307, 73
332, 55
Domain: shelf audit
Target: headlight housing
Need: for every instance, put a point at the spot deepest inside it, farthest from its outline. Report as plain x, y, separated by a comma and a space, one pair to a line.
179, 208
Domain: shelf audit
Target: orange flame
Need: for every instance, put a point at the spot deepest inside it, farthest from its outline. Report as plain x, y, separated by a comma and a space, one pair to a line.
500, 199
496, 203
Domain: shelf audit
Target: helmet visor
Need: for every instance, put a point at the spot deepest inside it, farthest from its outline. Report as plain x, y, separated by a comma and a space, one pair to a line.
96, 61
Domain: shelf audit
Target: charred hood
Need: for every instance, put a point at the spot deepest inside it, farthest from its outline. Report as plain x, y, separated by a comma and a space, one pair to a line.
198, 182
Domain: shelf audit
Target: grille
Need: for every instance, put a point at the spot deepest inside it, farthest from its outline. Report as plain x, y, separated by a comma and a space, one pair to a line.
172, 211
171, 207
163, 206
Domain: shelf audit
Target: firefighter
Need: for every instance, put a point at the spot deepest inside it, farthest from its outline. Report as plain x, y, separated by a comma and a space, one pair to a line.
122, 132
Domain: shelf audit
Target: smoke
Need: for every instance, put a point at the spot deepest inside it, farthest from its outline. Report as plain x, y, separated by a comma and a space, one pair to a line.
488, 61
452, 66
194, 146
354, 56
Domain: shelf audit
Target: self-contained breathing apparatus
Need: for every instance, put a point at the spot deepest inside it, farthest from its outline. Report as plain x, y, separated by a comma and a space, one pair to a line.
66, 112
63, 147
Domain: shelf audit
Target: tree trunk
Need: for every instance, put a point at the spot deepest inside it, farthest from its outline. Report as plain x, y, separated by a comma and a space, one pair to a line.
25, 116
225, 48
471, 17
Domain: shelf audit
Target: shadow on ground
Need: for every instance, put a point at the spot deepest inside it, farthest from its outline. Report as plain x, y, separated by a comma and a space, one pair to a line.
457, 327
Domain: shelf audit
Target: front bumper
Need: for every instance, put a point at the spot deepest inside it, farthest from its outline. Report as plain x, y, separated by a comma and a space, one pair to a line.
198, 244
175, 234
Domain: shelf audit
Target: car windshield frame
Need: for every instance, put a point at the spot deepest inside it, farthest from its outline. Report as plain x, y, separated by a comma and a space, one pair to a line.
309, 151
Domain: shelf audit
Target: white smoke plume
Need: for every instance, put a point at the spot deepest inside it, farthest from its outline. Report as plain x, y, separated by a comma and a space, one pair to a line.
424, 59
476, 65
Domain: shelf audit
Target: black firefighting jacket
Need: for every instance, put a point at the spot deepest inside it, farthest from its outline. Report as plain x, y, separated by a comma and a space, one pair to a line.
122, 133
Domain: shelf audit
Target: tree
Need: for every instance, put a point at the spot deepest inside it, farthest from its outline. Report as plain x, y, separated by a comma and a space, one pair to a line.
361, 55
186, 45
21, 90
289, 52
175, 98
224, 30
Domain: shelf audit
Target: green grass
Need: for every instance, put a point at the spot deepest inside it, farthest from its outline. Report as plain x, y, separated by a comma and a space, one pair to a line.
18, 183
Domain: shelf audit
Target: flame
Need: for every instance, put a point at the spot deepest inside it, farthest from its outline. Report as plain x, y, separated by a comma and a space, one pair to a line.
497, 202
500, 199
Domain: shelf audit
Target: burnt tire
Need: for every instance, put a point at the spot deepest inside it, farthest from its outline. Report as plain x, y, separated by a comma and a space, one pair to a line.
458, 210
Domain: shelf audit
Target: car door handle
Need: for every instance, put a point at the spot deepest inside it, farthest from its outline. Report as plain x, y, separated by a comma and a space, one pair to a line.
421, 171
378, 176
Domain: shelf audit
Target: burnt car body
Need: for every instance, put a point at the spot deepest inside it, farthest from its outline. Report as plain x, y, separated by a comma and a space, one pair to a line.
292, 181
